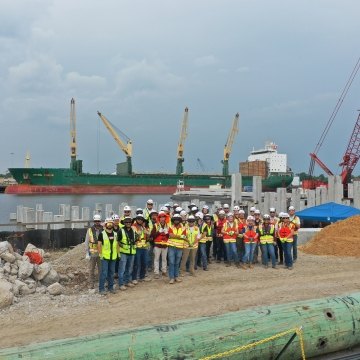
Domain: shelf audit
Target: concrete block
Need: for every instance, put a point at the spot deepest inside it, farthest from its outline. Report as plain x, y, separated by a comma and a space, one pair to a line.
20, 214
331, 188
311, 198
281, 200
108, 210
85, 213
323, 195
75, 213
257, 189
39, 207
60, 219
350, 191
39, 217
29, 217
236, 188
356, 194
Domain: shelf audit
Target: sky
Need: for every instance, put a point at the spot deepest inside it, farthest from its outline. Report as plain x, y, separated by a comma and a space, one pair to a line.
282, 64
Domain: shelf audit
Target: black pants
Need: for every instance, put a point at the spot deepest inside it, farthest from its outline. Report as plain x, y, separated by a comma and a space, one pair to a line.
219, 249
279, 252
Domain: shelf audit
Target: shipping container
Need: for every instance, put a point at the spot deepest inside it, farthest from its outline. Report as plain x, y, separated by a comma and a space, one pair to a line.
254, 168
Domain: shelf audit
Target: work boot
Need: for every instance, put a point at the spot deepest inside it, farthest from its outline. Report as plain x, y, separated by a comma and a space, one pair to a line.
156, 276
228, 263
178, 280
171, 281
123, 288
135, 282
251, 266
164, 273
238, 265
243, 266
130, 285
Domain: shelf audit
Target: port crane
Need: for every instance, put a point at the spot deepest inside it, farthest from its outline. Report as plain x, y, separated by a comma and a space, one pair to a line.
75, 164
229, 143
125, 147
180, 148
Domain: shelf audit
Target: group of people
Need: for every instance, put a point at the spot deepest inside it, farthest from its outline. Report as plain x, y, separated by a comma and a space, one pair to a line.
174, 241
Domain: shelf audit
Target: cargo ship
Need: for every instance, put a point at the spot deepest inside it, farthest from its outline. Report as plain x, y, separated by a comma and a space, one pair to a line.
73, 180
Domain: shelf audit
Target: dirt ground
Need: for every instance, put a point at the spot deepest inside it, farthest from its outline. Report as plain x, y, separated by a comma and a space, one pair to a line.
39, 318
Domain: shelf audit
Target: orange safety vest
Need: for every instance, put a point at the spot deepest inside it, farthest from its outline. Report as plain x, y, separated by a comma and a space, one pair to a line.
250, 233
161, 238
180, 232
230, 232
284, 231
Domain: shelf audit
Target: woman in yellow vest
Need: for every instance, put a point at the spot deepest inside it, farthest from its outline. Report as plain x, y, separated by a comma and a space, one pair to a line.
108, 248
176, 244
206, 238
190, 246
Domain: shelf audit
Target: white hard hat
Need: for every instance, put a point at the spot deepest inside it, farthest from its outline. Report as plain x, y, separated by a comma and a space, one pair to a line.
272, 210
291, 208
127, 208
97, 217
191, 218
257, 211
250, 217
183, 212
229, 214
266, 216
241, 211
178, 209
176, 217
109, 220
199, 215
236, 208
226, 206
205, 207
162, 214
115, 217
163, 208
285, 215
253, 208
221, 212
150, 201
153, 211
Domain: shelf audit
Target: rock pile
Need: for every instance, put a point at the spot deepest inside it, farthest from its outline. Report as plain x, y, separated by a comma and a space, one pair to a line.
339, 239
19, 277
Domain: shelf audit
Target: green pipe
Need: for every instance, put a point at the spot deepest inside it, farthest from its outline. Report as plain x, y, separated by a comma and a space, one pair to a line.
329, 325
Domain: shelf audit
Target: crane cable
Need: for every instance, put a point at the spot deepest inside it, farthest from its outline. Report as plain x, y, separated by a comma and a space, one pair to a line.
334, 113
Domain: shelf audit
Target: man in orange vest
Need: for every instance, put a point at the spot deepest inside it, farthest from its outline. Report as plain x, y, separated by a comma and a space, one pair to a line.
251, 237
218, 243
230, 233
285, 234
296, 223
176, 244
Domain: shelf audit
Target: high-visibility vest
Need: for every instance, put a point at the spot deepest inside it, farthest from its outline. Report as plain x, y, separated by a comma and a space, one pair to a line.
146, 213
161, 238
230, 230
109, 252
295, 220
208, 230
241, 223
274, 220
219, 225
192, 233
250, 233
284, 231
141, 238
127, 245
181, 232
267, 234
93, 241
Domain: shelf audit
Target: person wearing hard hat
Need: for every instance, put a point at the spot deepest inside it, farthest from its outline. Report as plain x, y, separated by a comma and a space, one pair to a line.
239, 217
295, 220
127, 213
127, 242
108, 248
92, 254
286, 234
176, 244
206, 238
280, 251
160, 234
116, 227
250, 240
142, 249
267, 241
218, 243
190, 246
205, 209
147, 210
230, 233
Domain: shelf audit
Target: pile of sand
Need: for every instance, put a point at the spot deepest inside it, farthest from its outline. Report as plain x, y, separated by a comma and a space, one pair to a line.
72, 260
339, 239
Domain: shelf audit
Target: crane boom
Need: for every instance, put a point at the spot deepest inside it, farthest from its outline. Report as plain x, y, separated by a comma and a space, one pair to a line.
315, 158
73, 150
126, 148
180, 148
229, 143
352, 153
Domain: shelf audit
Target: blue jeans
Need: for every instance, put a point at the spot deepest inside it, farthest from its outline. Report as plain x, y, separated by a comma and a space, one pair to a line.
266, 250
107, 273
249, 252
125, 268
287, 246
140, 264
231, 251
295, 237
174, 256
203, 255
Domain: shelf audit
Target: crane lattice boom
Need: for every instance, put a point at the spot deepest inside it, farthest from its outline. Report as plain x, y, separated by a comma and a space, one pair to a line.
72, 130
229, 143
183, 134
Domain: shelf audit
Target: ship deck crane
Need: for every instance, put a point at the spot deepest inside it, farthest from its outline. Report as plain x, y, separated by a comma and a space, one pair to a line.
126, 148
229, 143
180, 148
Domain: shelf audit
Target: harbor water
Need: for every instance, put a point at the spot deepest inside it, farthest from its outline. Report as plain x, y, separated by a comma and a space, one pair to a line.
8, 203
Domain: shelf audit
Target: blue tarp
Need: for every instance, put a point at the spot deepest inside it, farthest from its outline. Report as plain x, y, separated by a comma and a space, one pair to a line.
329, 212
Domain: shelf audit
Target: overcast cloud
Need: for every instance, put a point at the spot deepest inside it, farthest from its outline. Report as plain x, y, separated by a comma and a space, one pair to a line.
280, 64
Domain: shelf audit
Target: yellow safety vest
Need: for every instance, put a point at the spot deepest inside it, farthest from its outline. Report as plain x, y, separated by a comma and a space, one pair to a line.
208, 229
192, 234
93, 249
296, 221
178, 243
267, 237
126, 244
109, 252
141, 241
